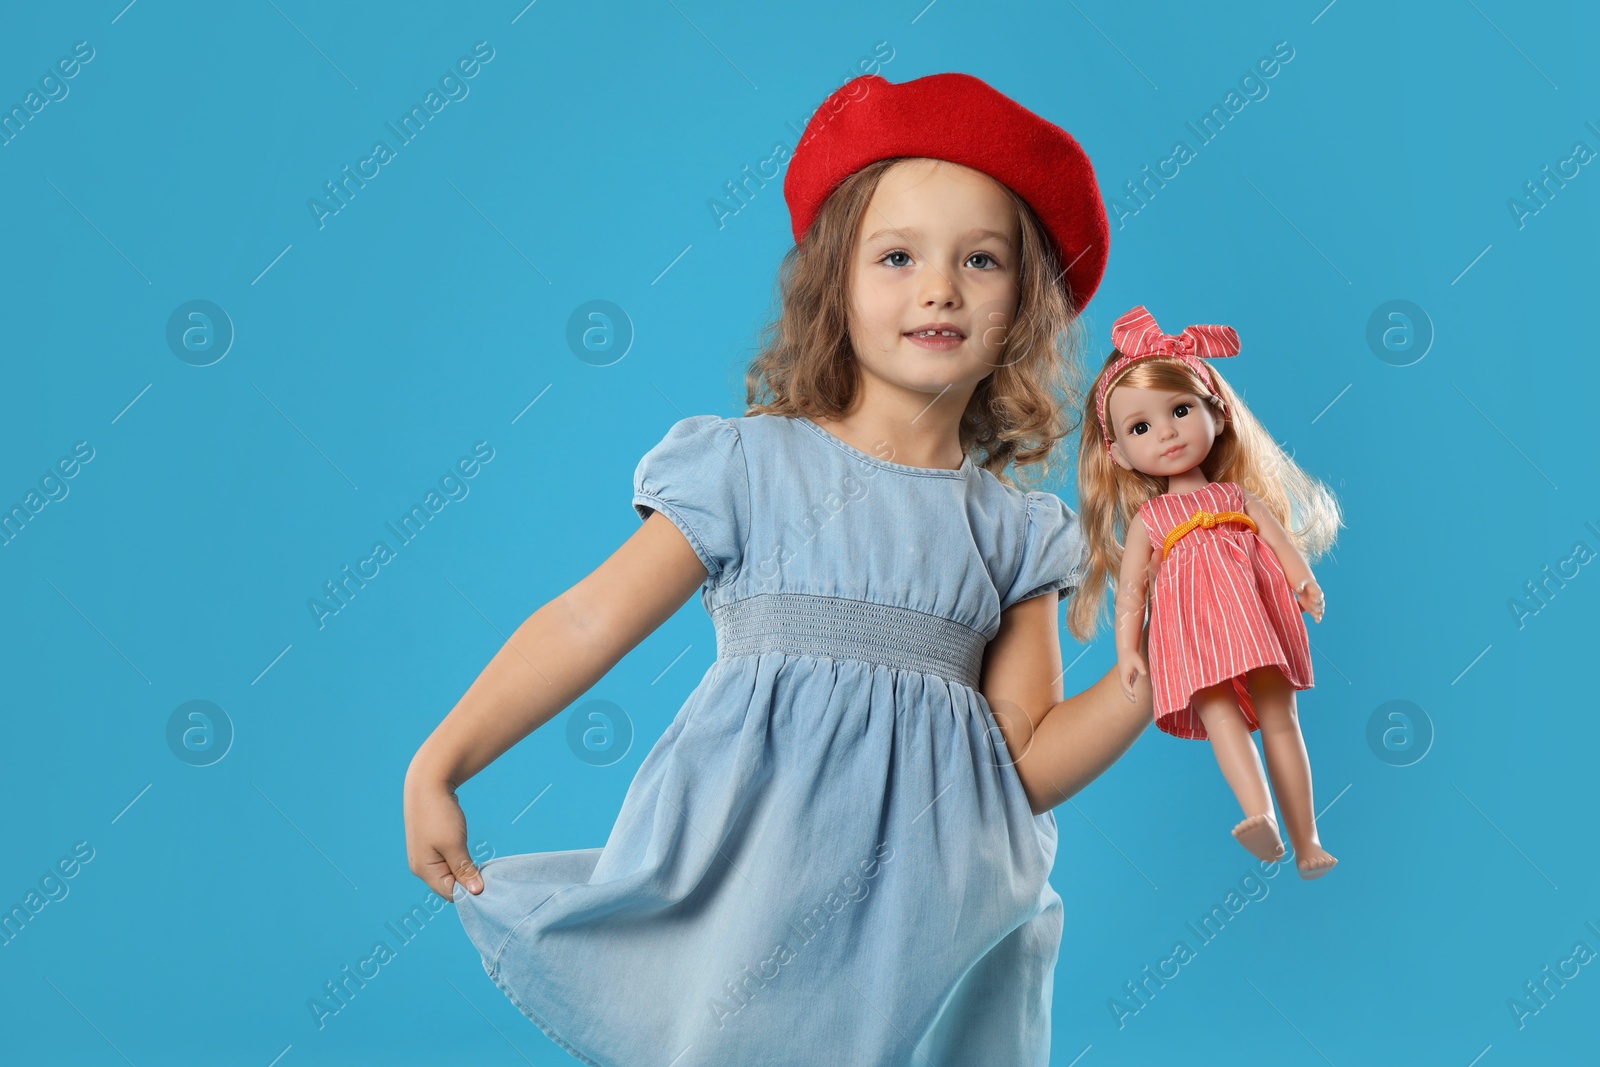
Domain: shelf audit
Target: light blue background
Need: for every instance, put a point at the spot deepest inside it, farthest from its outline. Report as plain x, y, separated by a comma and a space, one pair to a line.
431, 313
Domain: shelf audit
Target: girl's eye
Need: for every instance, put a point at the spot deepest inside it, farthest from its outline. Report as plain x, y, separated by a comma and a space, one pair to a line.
1139, 427
993, 264
1181, 410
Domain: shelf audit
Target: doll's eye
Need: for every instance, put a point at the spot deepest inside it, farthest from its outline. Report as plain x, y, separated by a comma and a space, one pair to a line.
1139, 427
1181, 410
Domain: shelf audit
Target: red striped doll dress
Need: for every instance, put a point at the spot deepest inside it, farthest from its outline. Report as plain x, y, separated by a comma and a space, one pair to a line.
1221, 606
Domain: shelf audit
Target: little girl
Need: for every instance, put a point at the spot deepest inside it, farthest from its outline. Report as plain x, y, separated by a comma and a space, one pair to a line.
829, 857
1169, 443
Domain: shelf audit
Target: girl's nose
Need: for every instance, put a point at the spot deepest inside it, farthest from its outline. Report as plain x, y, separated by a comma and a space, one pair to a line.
936, 289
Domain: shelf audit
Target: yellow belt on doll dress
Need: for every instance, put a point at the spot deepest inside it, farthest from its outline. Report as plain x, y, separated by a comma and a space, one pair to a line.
1199, 519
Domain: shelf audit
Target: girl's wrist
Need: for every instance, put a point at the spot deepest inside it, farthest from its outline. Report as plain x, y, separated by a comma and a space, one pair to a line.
425, 772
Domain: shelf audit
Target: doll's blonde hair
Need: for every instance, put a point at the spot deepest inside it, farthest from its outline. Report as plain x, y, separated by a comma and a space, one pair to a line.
1017, 415
1243, 453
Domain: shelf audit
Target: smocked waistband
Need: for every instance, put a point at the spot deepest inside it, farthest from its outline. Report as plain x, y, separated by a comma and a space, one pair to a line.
804, 624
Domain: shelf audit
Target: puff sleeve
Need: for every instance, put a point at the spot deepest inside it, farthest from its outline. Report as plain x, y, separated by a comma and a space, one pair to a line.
696, 476
1053, 550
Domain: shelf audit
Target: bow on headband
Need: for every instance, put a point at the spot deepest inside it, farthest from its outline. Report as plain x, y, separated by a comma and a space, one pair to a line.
1137, 336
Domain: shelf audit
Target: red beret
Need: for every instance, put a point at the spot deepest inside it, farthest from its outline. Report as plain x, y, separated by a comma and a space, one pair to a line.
959, 118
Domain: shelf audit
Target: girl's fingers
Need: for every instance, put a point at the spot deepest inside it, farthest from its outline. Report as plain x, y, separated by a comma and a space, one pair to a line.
440, 879
464, 870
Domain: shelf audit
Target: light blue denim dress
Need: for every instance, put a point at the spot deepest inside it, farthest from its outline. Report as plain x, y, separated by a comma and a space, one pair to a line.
827, 859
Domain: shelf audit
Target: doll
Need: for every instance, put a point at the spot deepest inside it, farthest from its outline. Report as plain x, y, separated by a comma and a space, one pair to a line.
1202, 494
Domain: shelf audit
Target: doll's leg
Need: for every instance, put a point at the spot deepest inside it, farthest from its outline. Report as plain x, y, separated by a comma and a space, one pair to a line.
1273, 697
1241, 766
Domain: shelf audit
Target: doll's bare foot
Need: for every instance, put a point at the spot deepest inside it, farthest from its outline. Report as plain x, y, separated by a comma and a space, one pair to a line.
1314, 863
1259, 834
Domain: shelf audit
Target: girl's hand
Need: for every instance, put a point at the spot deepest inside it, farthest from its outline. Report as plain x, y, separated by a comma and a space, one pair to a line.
1129, 666
1309, 594
436, 839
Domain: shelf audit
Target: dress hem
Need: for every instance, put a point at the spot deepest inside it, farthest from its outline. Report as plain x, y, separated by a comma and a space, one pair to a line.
549, 1031
1163, 718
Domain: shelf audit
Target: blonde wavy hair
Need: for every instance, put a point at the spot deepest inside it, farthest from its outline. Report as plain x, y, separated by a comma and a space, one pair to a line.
1017, 415
1243, 453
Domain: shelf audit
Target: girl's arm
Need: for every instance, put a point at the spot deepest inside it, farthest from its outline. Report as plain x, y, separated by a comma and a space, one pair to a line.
560, 651
1295, 567
1059, 746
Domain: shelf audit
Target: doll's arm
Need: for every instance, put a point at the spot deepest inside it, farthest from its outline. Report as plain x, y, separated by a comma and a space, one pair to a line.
1133, 590
1295, 567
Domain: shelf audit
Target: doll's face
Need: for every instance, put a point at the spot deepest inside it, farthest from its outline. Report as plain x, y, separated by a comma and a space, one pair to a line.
939, 242
1159, 432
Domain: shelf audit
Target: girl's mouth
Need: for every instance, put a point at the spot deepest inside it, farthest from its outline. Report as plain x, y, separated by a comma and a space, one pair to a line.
938, 340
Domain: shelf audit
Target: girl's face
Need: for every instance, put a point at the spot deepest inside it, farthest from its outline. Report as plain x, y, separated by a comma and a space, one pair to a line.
1159, 432
938, 243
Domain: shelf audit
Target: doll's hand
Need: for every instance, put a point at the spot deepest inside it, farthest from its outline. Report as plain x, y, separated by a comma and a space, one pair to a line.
1309, 594
1129, 666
